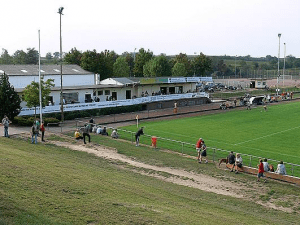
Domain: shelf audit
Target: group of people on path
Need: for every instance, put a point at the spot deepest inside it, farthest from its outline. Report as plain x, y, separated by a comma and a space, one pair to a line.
35, 131
263, 166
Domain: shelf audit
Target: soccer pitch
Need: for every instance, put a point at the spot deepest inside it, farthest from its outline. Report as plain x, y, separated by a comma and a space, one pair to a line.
272, 134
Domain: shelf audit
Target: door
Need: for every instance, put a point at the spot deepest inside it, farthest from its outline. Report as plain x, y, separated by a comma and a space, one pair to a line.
114, 96
128, 94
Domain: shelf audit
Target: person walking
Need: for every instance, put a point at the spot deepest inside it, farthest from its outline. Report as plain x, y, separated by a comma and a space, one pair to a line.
86, 132
42, 128
5, 123
137, 136
260, 170
34, 132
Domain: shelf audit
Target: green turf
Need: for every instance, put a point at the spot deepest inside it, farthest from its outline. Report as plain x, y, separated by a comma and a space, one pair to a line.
272, 134
46, 184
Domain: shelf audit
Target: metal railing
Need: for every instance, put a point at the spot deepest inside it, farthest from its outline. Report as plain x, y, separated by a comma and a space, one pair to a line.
214, 154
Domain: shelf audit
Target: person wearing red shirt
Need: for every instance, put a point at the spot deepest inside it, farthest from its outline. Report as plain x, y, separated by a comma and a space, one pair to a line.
42, 128
260, 170
198, 148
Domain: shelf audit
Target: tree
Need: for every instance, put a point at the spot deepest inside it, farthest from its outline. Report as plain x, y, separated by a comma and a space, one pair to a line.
182, 58
31, 93
121, 68
9, 99
203, 64
5, 57
32, 56
19, 57
73, 57
157, 67
130, 61
141, 58
179, 70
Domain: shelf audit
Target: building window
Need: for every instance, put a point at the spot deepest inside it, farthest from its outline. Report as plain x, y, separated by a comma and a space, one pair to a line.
100, 92
70, 97
264, 83
107, 92
159, 105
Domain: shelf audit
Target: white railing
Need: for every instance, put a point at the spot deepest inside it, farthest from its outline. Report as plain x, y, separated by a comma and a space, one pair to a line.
106, 104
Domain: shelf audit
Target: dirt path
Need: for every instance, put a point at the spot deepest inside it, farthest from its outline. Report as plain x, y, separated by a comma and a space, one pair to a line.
179, 176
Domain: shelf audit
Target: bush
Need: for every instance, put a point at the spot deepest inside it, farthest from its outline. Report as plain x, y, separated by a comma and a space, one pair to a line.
28, 121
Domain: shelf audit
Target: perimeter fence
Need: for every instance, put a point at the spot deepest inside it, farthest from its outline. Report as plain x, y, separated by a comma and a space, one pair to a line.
214, 154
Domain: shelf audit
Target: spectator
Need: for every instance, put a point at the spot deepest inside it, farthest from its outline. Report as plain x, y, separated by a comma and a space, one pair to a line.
114, 134
137, 136
281, 168
42, 128
266, 165
104, 132
34, 132
99, 130
238, 162
86, 132
260, 170
5, 123
203, 153
77, 135
199, 147
231, 160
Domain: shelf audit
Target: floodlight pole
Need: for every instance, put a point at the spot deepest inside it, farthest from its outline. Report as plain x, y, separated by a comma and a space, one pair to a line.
279, 35
284, 65
40, 85
61, 76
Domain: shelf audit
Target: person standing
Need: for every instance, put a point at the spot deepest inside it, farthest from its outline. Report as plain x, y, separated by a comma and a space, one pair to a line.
137, 136
203, 153
42, 128
34, 132
5, 123
199, 144
86, 132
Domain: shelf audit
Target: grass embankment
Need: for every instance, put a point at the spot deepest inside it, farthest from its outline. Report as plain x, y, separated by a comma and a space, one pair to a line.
46, 184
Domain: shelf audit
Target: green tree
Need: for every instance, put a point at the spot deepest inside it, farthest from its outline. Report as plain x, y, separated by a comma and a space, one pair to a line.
157, 67
9, 99
141, 58
73, 57
179, 70
182, 58
130, 61
31, 93
32, 56
5, 57
203, 64
19, 57
121, 68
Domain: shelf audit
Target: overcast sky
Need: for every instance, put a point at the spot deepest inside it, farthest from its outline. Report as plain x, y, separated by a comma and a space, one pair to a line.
214, 27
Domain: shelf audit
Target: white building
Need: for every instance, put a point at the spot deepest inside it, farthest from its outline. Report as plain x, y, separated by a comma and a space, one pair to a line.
84, 90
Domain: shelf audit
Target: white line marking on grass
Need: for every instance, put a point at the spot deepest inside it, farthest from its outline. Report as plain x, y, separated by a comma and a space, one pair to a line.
267, 135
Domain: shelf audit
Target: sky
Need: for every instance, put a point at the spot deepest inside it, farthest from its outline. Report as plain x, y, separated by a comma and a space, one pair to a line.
213, 27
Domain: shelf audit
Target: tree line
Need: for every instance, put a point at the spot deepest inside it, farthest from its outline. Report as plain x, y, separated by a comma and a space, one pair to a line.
145, 64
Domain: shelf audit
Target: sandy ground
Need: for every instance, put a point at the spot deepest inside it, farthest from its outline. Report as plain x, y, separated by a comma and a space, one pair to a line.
228, 186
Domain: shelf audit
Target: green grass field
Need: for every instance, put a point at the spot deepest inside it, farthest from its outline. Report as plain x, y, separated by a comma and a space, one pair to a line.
46, 184
272, 134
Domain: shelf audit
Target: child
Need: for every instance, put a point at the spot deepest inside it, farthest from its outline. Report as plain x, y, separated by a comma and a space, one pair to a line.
260, 170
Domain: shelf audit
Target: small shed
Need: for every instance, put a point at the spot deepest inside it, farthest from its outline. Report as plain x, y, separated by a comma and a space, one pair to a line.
259, 83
